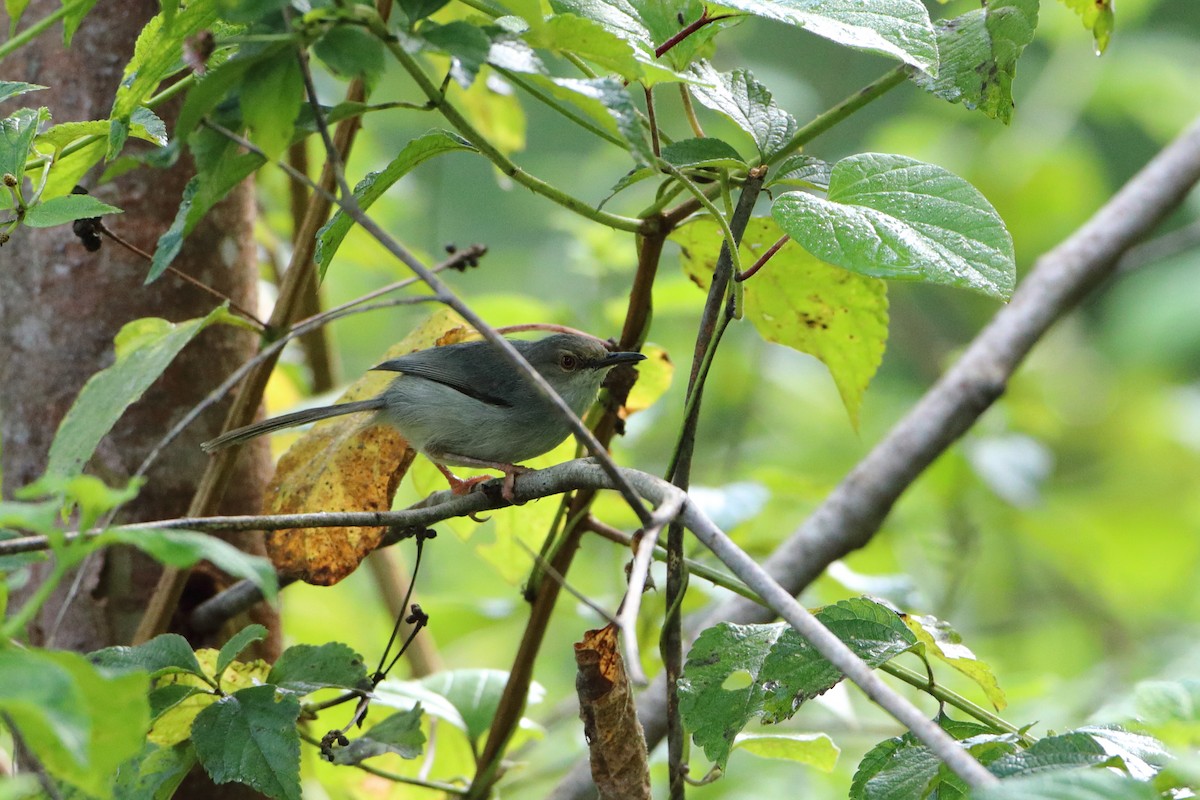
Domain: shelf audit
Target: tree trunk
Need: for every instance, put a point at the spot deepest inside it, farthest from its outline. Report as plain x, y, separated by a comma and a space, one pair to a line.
61, 306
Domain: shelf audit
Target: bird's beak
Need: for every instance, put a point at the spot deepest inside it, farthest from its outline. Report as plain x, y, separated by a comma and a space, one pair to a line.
613, 359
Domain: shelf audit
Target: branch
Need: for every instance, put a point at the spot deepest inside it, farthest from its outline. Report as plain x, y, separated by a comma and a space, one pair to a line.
588, 474
856, 508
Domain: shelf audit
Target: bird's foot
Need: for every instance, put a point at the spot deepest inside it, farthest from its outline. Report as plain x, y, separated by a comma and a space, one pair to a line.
508, 487
459, 486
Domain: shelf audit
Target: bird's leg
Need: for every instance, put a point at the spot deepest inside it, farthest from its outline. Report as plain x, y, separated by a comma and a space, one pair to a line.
459, 486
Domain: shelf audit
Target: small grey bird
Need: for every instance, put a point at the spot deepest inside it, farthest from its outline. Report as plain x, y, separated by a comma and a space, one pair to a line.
466, 405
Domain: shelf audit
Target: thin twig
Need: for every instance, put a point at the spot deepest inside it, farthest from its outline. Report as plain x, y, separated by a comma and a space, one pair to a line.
448, 788
853, 512
558, 577
639, 571
688, 30
763, 259
183, 276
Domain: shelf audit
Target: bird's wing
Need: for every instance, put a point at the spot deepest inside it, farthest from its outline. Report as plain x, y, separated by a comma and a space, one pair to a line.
464, 367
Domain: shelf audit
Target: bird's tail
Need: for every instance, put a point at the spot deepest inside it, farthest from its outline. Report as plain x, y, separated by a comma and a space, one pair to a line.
239, 435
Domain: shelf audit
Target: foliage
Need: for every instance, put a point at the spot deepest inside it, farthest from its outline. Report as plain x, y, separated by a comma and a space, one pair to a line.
811, 250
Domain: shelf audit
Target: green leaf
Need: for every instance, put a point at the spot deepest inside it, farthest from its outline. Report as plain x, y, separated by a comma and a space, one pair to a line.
896, 28
270, 100
155, 773
217, 84
305, 668
747, 102
167, 653
110, 391
66, 172
16, 88
76, 11
59, 136
800, 301
14, 8
372, 187
44, 516
1076, 785
644, 24
199, 196
979, 52
236, 644
183, 549
166, 697
474, 693
416, 10
248, 11
157, 53
895, 217
705, 152
466, 44
146, 125
81, 724
605, 101
902, 767
737, 672
1141, 754
68, 208
16, 137
400, 734
250, 737
816, 750
46, 704
1097, 16
350, 52
620, 17
943, 642
589, 39
801, 170
1052, 753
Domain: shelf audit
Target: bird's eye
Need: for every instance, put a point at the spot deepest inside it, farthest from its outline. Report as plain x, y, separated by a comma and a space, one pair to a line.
568, 362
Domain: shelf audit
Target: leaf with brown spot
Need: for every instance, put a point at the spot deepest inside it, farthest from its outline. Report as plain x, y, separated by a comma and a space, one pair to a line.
800, 301
345, 464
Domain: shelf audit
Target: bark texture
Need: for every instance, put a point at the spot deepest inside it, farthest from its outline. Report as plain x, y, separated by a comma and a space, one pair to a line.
61, 306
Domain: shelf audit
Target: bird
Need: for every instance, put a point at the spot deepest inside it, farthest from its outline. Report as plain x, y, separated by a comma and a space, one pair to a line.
466, 405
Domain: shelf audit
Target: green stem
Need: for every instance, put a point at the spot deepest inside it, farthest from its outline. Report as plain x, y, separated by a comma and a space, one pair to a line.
502, 162
944, 695
665, 196
549, 101
37, 29
702, 199
580, 65
842, 110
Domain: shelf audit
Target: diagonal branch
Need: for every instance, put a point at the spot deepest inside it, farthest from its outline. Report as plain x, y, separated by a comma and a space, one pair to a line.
853, 512
589, 474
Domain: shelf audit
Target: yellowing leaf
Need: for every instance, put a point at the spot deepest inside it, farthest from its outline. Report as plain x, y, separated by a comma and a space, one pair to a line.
943, 642
1097, 16
654, 378
345, 464
175, 725
800, 301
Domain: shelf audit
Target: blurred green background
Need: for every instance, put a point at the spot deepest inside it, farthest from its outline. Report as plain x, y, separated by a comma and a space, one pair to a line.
1061, 538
